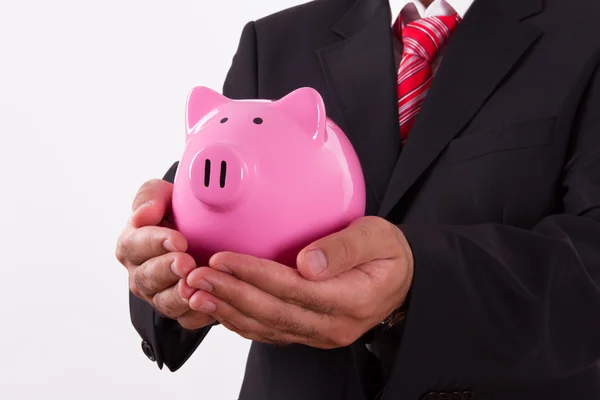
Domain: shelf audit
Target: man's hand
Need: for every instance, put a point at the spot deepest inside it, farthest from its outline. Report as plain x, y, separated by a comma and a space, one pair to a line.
345, 284
154, 255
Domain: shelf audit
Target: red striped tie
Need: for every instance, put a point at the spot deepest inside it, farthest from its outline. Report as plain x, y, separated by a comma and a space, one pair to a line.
421, 40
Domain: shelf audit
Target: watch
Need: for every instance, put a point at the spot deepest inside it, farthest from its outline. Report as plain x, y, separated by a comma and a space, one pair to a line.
398, 314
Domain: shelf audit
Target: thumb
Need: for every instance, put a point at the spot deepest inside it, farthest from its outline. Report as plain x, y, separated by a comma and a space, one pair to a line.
151, 203
364, 240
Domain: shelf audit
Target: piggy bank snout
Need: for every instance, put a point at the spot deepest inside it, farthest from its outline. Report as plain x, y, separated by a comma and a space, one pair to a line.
218, 176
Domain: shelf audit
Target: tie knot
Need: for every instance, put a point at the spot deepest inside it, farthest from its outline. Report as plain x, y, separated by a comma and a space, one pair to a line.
424, 37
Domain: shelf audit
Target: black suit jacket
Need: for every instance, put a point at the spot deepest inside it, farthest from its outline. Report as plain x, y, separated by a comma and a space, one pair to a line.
497, 191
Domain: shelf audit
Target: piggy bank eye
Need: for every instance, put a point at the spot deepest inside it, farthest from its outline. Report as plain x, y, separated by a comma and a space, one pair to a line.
224, 120
257, 121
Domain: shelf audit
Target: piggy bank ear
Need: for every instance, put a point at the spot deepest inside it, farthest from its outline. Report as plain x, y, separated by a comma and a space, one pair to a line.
306, 106
200, 102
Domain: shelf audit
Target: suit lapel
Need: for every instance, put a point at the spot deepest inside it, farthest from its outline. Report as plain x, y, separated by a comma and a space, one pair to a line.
482, 51
361, 74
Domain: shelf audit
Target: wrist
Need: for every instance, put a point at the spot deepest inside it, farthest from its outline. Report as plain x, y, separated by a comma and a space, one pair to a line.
399, 314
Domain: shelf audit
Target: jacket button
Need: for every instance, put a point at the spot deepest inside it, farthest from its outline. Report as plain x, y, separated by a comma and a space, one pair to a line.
147, 349
467, 395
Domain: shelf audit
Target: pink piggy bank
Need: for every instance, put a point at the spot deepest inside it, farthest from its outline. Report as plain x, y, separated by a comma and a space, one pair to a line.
263, 178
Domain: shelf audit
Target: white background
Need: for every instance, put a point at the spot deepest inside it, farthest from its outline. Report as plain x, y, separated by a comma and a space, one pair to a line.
92, 100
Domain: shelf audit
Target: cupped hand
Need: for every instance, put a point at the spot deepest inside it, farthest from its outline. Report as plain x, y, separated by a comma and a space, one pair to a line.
154, 254
345, 284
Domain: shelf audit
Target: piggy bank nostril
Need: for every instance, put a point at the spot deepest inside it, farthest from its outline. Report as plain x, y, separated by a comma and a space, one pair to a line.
207, 173
223, 173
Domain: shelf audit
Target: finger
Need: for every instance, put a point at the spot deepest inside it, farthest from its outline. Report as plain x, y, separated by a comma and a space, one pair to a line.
253, 303
136, 246
366, 239
151, 203
242, 323
160, 273
169, 303
185, 291
278, 280
193, 320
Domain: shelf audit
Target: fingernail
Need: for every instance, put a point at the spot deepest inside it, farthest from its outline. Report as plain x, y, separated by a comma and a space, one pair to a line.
185, 291
143, 205
146, 204
203, 285
169, 246
316, 261
181, 271
223, 268
174, 269
208, 307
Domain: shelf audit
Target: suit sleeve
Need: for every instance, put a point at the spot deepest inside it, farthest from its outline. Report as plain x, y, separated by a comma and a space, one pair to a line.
494, 305
163, 339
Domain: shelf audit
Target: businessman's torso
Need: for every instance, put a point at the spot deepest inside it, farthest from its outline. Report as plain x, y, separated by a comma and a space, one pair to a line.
489, 145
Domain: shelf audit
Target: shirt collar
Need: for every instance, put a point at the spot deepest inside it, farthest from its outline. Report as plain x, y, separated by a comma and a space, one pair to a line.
416, 10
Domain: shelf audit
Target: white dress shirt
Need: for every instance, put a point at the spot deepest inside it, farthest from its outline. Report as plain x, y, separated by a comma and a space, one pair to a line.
414, 9
411, 10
